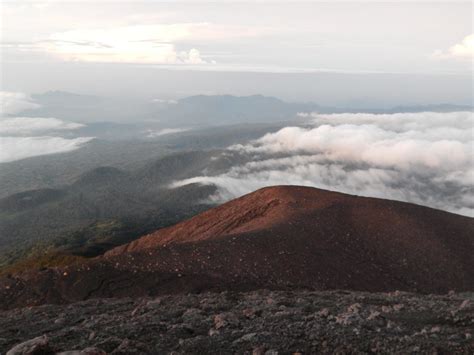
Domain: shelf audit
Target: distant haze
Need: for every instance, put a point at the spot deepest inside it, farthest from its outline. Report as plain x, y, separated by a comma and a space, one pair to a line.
334, 89
353, 53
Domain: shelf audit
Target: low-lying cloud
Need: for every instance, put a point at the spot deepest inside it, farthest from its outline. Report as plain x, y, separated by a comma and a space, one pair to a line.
163, 132
15, 148
23, 137
425, 158
24, 126
14, 102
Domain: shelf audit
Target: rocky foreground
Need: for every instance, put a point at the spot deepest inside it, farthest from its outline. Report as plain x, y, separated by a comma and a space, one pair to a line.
259, 322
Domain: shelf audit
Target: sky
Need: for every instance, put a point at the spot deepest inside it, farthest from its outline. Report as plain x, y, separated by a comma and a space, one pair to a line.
404, 52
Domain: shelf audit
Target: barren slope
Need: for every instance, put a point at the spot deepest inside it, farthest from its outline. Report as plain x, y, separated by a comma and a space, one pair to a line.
278, 237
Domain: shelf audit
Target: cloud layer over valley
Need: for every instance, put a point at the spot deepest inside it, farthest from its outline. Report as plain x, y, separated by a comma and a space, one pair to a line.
23, 137
14, 102
425, 158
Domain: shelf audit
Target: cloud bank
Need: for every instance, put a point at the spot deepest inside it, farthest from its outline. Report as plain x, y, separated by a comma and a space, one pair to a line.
162, 132
425, 158
15, 148
23, 137
25, 126
14, 102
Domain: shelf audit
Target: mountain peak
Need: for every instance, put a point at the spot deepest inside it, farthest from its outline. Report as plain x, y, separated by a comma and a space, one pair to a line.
277, 237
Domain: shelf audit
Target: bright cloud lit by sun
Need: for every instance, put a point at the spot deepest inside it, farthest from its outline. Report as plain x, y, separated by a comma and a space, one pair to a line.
151, 44
463, 50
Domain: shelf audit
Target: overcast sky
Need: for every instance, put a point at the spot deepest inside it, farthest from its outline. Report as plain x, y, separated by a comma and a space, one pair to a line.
110, 47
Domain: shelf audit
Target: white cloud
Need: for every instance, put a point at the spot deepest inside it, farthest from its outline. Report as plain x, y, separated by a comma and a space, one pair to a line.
14, 102
463, 50
148, 44
164, 101
434, 142
34, 125
23, 137
427, 158
399, 122
192, 57
15, 148
164, 131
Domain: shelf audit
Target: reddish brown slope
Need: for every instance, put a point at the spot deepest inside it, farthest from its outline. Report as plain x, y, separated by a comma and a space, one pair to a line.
277, 237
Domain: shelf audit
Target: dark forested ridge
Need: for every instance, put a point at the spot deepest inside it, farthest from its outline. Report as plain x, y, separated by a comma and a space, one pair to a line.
108, 192
102, 208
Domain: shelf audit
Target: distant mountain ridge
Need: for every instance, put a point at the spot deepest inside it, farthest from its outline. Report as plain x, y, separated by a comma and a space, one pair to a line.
192, 111
229, 109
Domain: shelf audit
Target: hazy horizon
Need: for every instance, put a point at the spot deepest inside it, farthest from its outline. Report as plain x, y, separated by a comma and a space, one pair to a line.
357, 54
